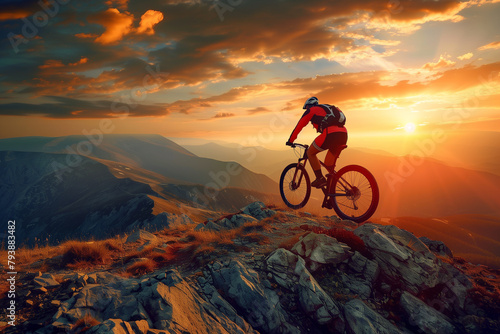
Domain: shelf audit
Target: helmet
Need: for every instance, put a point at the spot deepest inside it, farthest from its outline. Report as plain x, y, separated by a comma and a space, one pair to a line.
312, 101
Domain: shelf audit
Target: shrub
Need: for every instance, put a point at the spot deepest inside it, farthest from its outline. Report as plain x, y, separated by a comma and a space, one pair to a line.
75, 252
342, 235
142, 267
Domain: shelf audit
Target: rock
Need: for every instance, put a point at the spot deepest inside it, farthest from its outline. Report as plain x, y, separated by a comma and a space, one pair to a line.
80, 280
358, 286
317, 304
260, 306
258, 210
282, 264
402, 258
112, 326
173, 305
424, 317
362, 319
39, 291
437, 247
367, 268
46, 280
321, 249
141, 236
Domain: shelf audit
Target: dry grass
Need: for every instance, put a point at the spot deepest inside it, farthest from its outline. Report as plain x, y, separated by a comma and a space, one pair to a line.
289, 243
84, 324
142, 267
263, 225
224, 237
81, 254
256, 237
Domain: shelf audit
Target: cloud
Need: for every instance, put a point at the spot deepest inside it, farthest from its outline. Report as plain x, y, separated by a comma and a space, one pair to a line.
116, 25
63, 107
223, 115
442, 62
492, 45
14, 14
258, 110
466, 56
148, 21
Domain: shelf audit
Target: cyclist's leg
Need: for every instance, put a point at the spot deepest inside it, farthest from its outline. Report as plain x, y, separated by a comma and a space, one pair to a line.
333, 141
312, 152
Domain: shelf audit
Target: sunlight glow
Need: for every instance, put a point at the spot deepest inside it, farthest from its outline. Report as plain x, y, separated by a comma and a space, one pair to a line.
410, 127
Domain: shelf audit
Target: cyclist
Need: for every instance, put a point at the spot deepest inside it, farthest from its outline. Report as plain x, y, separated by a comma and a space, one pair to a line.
331, 137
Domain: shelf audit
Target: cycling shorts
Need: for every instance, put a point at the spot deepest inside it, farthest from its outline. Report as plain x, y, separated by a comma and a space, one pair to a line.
330, 140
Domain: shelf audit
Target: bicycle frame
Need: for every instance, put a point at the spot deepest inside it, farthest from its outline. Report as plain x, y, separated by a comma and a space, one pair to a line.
331, 173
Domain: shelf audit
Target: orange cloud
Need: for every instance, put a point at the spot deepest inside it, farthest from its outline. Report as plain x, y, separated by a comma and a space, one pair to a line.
116, 24
51, 64
148, 21
83, 35
442, 62
57, 63
14, 14
492, 45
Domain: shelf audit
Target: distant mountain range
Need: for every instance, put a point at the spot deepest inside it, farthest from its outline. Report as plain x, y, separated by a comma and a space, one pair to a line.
54, 185
68, 187
409, 186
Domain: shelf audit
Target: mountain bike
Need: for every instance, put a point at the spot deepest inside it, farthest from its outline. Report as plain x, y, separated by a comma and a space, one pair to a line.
352, 191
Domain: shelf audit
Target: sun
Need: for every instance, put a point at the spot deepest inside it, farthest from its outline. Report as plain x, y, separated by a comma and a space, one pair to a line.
410, 127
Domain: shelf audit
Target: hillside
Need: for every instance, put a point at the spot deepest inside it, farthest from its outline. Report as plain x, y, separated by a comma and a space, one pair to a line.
257, 270
149, 152
408, 187
87, 201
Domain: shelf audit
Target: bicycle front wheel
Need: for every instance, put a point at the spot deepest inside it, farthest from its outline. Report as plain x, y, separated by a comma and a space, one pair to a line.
295, 186
356, 193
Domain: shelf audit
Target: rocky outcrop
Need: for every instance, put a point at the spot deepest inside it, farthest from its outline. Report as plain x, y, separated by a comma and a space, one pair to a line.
320, 249
259, 304
424, 317
165, 302
362, 319
396, 285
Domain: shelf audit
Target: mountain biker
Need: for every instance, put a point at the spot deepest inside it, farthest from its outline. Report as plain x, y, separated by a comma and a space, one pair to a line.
330, 138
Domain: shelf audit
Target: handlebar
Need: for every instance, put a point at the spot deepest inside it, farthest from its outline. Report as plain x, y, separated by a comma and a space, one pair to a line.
301, 145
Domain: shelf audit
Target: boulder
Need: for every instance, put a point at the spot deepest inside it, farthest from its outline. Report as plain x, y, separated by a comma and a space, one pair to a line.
424, 317
282, 264
362, 319
259, 305
318, 304
402, 257
320, 249
368, 269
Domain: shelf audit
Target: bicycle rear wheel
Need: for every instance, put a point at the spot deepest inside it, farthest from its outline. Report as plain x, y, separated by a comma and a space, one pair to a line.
357, 193
295, 186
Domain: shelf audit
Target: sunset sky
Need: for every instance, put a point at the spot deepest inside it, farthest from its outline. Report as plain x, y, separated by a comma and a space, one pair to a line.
240, 70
